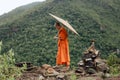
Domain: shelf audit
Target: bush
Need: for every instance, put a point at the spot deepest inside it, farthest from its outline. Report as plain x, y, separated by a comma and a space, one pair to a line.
73, 77
8, 70
113, 62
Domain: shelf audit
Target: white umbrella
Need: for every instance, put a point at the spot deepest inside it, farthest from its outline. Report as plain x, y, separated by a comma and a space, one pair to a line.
64, 23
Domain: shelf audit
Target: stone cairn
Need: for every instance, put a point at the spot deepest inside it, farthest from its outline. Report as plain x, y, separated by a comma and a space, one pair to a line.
91, 62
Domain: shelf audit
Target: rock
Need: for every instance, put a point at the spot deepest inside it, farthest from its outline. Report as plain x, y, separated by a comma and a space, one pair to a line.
97, 52
98, 60
102, 67
41, 77
89, 64
21, 64
88, 59
61, 77
51, 78
91, 71
79, 70
58, 68
99, 74
56, 73
43, 72
107, 75
46, 66
50, 70
80, 63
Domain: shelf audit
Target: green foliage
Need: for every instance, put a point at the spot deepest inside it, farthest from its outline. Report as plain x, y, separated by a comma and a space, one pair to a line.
114, 70
112, 59
8, 70
114, 64
30, 31
73, 77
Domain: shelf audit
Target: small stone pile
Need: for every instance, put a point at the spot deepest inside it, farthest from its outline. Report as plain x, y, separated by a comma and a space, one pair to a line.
91, 62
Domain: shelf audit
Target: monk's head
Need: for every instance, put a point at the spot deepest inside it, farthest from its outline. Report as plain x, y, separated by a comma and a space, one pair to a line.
57, 25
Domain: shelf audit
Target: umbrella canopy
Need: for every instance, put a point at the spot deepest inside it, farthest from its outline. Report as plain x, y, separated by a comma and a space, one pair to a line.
64, 23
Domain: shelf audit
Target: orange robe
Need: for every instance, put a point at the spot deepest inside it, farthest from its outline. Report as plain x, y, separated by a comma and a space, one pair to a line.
63, 56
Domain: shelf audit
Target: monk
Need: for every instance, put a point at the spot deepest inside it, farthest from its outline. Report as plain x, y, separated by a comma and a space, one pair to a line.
62, 57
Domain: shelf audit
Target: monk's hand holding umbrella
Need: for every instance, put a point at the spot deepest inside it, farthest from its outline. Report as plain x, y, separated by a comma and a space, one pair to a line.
55, 37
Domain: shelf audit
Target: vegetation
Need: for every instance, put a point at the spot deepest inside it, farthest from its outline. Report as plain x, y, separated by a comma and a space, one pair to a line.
73, 77
8, 70
114, 64
30, 31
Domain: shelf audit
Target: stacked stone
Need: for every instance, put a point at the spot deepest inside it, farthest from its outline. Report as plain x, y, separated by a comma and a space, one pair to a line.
91, 62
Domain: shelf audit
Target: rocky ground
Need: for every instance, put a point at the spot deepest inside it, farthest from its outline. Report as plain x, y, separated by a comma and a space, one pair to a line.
47, 72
